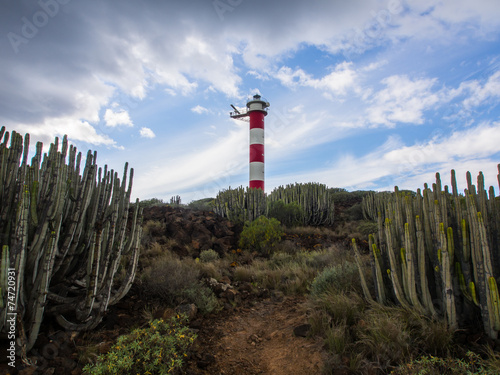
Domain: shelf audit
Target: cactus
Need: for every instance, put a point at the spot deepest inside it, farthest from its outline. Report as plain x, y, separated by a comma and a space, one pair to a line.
241, 205
64, 233
364, 285
458, 236
377, 271
315, 200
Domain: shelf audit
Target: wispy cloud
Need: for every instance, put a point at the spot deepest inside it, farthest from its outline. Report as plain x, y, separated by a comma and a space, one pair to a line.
411, 166
403, 100
338, 82
147, 133
199, 109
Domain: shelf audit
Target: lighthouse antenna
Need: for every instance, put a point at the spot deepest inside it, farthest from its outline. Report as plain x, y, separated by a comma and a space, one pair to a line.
236, 110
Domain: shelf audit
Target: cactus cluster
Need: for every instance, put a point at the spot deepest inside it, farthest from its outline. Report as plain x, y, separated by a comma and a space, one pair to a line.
437, 251
315, 200
66, 234
240, 205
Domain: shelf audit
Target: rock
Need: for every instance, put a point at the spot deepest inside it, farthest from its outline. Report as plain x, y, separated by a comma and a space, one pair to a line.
218, 288
65, 363
264, 293
246, 287
27, 371
230, 295
206, 360
302, 330
277, 296
190, 309
196, 324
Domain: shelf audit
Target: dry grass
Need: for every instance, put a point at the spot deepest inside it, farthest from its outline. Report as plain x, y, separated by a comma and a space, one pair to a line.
168, 276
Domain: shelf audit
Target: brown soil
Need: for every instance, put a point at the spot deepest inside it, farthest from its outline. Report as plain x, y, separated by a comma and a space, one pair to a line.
257, 340
254, 338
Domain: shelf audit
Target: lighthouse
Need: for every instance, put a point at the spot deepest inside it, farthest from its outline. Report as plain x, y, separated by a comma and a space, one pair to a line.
255, 112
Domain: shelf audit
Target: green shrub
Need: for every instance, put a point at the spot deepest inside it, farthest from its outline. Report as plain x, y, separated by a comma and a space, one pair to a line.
289, 214
151, 202
159, 349
203, 297
207, 256
261, 235
341, 277
355, 212
205, 204
368, 227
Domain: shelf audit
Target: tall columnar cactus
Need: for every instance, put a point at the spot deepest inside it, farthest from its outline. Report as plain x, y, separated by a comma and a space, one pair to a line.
65, 234
440, 249
241, 205
315, 200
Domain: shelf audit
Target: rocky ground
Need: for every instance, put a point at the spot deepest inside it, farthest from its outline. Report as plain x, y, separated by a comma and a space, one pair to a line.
264, 334
266, 338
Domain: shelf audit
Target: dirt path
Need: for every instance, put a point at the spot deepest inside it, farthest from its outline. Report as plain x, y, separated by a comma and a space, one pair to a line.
257, 340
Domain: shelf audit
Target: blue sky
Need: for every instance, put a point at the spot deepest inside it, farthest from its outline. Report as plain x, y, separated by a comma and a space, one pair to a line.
364, 95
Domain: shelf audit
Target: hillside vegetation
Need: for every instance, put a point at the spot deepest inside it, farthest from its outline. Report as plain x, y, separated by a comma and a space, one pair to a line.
402, 282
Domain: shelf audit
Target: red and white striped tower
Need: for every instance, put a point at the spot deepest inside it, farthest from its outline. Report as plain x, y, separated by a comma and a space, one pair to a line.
256, 111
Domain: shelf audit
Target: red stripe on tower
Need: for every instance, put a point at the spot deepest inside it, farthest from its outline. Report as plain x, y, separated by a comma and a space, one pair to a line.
256, 111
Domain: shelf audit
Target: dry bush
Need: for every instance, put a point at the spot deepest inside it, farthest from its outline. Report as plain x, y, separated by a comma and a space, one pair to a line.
327, 257
168, 276
152, 230
150, 254
209, 270
341, 307
337, 338
342, 277
349, 229
244, 274
287, 247
207, 256
383, 337
304, 231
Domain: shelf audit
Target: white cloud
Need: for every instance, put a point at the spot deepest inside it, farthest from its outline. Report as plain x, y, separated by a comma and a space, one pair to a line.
481, 94
199, 109
403, 100
341, 79
114, 119
76, 130
147, 133
478, 142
